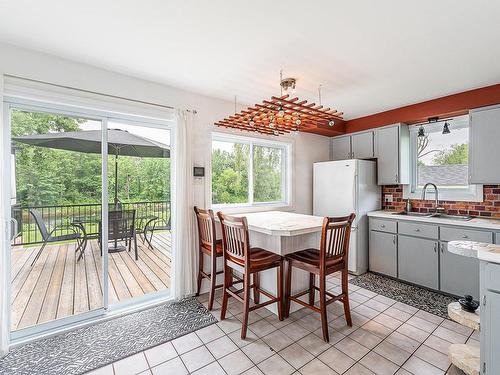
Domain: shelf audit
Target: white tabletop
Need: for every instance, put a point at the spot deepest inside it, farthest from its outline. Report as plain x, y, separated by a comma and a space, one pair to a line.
279, 223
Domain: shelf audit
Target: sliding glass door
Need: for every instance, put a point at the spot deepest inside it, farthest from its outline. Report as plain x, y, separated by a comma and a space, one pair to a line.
56, 201
91, 215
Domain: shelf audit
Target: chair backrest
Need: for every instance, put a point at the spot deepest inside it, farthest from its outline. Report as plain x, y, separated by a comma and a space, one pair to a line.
40, 224
121, 224
335, 237
206, 227
235, 240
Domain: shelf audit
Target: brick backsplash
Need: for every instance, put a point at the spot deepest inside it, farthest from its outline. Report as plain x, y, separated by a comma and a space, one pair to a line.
489, 207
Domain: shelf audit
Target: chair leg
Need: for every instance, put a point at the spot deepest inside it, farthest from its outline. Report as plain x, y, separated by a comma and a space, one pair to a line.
246, 305
200, 269
228, 275
312, 291
345, 300
279, 272
256, 286
213, 279
288, 289
135, 248
38, 254
322, 306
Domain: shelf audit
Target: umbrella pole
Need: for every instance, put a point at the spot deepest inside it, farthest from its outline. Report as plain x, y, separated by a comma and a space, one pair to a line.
116, 188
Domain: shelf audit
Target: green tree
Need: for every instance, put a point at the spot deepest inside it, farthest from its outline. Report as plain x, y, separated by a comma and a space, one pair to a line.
457, 154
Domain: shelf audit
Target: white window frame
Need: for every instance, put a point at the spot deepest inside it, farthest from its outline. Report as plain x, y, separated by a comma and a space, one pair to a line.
286, 176
473, 193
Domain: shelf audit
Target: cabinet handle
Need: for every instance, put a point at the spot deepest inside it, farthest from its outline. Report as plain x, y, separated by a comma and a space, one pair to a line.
396, 177
465, 236
382, 226
442, 248
394, 240
417, 230
435, 247
484, 300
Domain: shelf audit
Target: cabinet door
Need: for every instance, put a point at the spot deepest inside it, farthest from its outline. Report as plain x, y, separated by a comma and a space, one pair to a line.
362, 145
459, 275
383, 253
388, 155
490, 326
484, 132
341, 148
418, 261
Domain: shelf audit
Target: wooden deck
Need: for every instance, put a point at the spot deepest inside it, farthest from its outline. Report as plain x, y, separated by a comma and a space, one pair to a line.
58, 286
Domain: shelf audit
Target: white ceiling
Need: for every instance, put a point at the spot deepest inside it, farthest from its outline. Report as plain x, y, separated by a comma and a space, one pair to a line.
369, 55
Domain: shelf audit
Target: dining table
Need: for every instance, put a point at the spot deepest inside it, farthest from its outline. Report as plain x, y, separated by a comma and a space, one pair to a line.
282, 233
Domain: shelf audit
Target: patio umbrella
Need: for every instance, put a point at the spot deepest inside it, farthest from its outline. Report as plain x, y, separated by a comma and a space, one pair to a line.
120, 142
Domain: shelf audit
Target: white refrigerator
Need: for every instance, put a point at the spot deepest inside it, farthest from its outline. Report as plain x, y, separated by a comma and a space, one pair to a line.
345, 186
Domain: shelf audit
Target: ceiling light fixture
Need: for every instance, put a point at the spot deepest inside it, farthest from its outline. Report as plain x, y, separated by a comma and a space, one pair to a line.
421, 132
283, 114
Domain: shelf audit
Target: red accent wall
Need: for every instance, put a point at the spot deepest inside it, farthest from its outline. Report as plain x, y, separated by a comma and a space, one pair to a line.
489, 207
451, 105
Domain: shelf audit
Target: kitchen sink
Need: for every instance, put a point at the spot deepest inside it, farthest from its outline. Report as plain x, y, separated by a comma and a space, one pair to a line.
438, 215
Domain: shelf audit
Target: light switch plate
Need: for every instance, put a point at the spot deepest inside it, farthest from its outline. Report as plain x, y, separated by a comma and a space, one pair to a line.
388, 198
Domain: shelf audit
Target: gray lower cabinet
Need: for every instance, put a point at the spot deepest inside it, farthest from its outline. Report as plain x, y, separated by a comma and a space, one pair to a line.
459, 275
418, 261
490, 324
383, 253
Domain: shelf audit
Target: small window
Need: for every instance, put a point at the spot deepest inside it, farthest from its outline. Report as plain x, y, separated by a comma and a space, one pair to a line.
442, 158
247, 172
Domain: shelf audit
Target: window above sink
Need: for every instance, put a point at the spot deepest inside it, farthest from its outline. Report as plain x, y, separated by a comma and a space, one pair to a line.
442, 158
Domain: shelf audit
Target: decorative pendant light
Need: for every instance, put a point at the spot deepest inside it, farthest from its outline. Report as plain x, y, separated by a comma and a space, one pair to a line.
283, 114
421, 132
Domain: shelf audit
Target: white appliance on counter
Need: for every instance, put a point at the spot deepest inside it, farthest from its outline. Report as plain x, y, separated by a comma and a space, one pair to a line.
345, 186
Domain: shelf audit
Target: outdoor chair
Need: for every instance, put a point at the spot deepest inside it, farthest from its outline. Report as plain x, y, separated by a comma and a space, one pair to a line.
48, 236
121, 227
155, 224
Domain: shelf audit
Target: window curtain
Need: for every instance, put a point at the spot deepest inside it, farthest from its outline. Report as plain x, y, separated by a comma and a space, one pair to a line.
4, 241
184, 281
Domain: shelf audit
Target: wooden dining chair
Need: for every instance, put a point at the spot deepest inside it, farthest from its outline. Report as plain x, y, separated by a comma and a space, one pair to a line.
331, 257
248, 261
209, 245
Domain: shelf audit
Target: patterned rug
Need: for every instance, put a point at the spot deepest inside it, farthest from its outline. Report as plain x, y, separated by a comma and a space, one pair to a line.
88, 348
421, 298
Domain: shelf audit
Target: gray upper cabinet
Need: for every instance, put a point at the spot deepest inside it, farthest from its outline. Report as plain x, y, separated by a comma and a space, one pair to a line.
392, 152
341, 148
418, 261
459, 275
362, 145
484, 153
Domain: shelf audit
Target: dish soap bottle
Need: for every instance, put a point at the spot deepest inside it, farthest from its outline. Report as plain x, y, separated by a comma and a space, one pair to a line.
408, 206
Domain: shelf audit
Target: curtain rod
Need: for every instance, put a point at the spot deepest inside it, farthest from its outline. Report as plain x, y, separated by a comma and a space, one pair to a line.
97, 93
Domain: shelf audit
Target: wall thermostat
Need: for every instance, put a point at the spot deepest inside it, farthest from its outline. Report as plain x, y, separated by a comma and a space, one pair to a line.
199, 171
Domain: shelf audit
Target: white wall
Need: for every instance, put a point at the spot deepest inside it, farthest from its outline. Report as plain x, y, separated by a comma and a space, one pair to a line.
308, 148
34, 65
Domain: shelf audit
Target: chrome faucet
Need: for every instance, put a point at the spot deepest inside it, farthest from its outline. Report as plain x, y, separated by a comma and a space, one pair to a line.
436, 202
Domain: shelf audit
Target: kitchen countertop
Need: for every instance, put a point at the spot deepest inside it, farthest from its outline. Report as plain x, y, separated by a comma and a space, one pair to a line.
483, 251
279, 223
480, 223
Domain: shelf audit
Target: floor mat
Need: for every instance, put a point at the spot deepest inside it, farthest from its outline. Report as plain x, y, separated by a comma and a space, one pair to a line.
88, 348
421, 298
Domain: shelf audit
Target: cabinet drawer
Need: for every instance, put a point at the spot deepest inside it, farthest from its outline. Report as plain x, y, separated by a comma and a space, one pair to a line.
492, 276
383, 225
456, 234
418, 229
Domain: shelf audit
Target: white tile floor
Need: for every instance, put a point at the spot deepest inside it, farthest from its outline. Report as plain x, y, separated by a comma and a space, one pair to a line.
388, 337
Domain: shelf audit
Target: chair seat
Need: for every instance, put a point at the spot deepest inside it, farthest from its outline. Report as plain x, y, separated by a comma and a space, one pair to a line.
260, 258
208, 249
311, 257
64, 237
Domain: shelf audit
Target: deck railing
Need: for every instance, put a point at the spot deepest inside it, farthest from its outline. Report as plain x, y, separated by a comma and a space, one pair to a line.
88, 214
